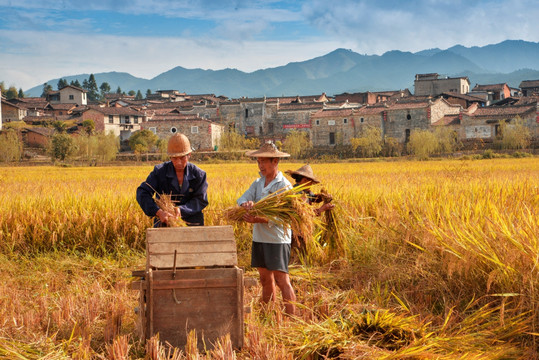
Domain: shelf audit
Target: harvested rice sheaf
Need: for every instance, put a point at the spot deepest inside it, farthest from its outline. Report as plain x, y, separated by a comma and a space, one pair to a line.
285, 207
166, 203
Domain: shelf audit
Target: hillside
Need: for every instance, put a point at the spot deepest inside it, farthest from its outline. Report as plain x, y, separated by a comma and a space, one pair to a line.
340, 71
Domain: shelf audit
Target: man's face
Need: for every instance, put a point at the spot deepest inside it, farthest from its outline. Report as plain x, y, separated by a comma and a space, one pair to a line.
180, 162
267, 165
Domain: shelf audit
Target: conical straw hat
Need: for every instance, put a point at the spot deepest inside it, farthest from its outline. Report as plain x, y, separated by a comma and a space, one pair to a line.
304, 171
268, 150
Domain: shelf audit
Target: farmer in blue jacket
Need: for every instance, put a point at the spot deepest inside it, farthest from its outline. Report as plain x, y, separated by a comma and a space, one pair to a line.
185, 182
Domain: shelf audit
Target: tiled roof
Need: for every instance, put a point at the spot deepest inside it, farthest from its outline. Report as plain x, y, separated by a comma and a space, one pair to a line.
371, 110
116, 110
62, 106
529, 83
503, 110
447, 120
41, 130
488, 87
463, 96
301, 106
333, 113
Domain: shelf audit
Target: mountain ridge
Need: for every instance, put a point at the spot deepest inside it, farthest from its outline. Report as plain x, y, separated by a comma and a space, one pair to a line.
341, 70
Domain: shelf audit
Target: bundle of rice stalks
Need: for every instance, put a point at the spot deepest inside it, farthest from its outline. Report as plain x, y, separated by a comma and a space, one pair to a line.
166, 203
285, 207
332, 235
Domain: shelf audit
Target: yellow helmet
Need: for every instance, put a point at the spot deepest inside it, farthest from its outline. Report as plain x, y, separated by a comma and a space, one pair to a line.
178, 145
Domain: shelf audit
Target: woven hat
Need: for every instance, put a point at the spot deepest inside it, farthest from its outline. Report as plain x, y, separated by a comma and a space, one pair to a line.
268, 150
178, 145
304, 171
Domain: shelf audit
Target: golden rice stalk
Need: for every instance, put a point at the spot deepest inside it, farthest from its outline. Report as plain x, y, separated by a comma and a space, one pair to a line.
166, 203
285, 207
332, 235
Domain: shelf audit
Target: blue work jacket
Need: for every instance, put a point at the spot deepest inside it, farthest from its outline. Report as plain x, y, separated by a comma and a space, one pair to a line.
191, 198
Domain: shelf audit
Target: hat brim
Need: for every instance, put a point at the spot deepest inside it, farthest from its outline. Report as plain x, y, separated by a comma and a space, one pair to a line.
267, 154
179, 154
294, 173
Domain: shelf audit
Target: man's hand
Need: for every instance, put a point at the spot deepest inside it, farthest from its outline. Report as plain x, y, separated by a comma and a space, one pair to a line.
165, 215
252, 218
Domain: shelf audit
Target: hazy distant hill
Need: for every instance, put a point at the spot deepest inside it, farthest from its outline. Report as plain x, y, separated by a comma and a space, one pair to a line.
340, 71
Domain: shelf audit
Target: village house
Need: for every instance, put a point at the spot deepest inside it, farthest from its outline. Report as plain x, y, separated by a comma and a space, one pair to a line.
330, 127
35, 106
120, 121
463, 100
529, 87
370, 98
433, 84
491, 92
60, 109
484, 123
38, 136
409, 114
11, 112
69, 94
203, 134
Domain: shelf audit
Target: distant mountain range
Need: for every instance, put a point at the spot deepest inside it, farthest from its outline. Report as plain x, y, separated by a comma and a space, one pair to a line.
340, 71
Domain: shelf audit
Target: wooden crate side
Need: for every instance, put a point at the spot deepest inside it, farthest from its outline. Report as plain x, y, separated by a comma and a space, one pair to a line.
210, 301
194, 246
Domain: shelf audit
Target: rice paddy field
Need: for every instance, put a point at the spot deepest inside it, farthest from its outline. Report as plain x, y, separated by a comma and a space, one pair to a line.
439, 261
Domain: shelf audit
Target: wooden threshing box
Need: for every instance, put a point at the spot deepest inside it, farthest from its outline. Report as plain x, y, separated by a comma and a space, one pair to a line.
191, 282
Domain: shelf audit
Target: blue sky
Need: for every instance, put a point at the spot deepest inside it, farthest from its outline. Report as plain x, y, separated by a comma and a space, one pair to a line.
41, 40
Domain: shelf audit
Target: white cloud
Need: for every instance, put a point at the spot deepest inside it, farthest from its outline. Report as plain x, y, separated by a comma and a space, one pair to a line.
48, 55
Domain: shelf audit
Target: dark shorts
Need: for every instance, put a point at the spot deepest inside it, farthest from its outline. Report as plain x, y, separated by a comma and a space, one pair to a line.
270, 256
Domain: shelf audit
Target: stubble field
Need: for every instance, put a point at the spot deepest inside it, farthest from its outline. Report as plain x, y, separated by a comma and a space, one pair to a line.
441, 263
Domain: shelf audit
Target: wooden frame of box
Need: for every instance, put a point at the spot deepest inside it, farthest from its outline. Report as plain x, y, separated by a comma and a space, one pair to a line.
191, 282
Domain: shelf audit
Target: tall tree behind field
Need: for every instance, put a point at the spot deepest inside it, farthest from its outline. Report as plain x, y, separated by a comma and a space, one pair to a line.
11, 146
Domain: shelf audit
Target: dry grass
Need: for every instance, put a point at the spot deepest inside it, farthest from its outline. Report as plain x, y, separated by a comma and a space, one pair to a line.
440, 263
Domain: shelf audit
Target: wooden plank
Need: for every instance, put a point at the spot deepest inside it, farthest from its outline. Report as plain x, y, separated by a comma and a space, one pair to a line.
210, 301
166, 261
194, 246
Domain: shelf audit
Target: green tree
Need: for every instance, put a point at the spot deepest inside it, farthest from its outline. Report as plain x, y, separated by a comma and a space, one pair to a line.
62, 146
370, 143
143, 141
297, 143
59, 126
105, 89
233, 141
423, 143
148, 93
11, 93
514, 136
131, 93
138, 96
118, 90
2, 87
20, 95
76, 83
61, 84
11, 146
88, 126
447, 140
46, 89
91, 87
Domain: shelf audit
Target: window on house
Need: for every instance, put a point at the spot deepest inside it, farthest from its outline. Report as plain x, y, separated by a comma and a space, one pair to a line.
153, 129
127, 119
317, 122
111, 119
194, 129
361, 120
331, 138
345, 121
135, 119
71, 97
270, 128
246, 113
331, 122
408, 116
173, 130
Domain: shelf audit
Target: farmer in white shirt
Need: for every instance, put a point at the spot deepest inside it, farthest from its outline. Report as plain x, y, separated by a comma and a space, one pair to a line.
271, 242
